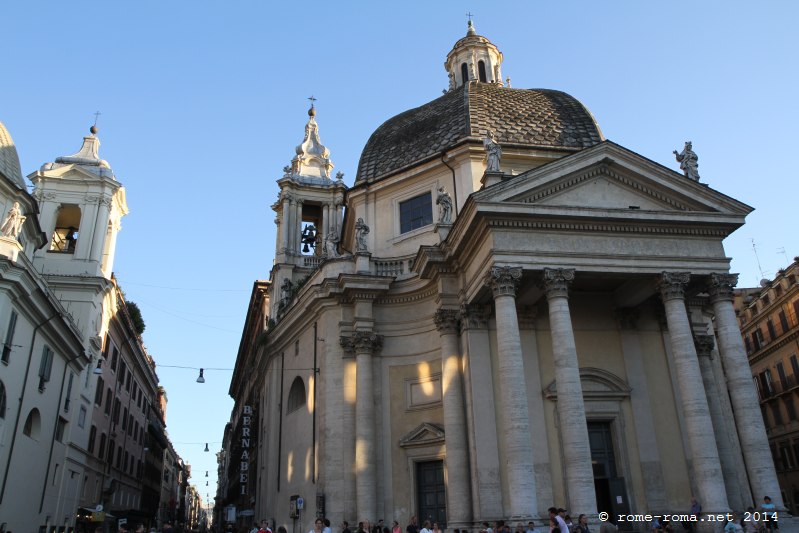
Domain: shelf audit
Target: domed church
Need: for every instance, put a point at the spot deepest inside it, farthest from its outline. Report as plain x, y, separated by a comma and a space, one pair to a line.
504, 312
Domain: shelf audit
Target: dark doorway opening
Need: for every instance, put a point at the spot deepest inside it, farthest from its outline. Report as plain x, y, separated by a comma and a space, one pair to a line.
611, 493
431, 492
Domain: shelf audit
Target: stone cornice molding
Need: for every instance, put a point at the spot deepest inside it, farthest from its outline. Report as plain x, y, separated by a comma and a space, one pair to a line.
722, 286
409, 297
474, 316
672, 285
504, 280
633, 226
704, 345
556, 282
447, 321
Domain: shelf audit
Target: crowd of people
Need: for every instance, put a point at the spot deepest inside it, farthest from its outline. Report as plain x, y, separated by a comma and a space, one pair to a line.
762, 520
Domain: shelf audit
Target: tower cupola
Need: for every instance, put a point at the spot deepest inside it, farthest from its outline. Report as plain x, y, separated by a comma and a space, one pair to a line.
473, 58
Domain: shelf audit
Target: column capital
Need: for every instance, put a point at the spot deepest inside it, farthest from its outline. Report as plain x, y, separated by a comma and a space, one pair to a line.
348, 345
447, 321
367, 342
557, 281
504, 280
474, 316
704, 345
672, 285
721, 286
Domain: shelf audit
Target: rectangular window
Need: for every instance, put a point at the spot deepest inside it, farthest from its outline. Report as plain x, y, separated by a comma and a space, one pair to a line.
130, 424
117, 406
794, 365
748, 344
781, 374
785, 455
121, 375
114, 356
60, 427
125, 419
772, 332
127, 381
757, 338
45, 367
98, 392
12, 324
92, 438
416, 212
119, 456
82, 417
108, 394
784, 322
101, 448
68, 398
790, 407
776, 413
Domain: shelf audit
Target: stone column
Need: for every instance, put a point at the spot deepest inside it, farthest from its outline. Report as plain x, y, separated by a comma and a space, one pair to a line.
571, 409
325, 229
704, 350
100, 230
459, 494
349, 395
745, 405
286, 222
704, 455
365, 344
296, 228
514, 415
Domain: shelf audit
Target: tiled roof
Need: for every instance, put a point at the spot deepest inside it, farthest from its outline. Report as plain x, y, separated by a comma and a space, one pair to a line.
533, 117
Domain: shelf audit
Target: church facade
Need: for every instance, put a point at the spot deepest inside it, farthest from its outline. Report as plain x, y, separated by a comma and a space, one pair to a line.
506, 311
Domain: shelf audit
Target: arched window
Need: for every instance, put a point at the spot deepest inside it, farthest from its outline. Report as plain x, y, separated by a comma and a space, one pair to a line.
296, 395
33, 424
65, 234
481, 71
464, 73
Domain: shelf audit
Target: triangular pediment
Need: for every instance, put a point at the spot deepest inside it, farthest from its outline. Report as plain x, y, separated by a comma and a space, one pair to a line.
610, 177
425, 434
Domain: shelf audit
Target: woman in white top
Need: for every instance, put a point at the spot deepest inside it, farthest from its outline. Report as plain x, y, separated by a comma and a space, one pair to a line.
426, 527
317, 526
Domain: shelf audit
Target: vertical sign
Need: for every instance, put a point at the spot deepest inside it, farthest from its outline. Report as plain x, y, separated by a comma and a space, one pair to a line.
246, 422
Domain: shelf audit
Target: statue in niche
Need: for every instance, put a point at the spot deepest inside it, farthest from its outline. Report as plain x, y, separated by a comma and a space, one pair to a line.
285, 292
361, 231
493, 152
444, 202
308, 238
331, 245
12, 225
689, 161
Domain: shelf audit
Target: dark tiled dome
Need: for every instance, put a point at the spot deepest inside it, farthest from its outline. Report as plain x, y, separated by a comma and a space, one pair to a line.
538, 118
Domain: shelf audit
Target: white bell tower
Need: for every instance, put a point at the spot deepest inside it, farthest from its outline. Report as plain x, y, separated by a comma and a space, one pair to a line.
81, 204
309, 211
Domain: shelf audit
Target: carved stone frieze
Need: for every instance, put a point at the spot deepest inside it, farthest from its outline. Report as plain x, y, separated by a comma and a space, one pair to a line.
447, 321
704, 345
504, 280
557, 281
672, 285
722, 286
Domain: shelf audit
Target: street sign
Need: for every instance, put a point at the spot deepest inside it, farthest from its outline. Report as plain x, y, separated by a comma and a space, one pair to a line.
300, 503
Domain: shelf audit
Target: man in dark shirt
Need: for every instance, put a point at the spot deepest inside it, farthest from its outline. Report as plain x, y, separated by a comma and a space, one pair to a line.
412, 527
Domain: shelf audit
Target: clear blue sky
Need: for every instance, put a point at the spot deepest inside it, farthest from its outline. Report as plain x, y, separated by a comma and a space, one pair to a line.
202, 105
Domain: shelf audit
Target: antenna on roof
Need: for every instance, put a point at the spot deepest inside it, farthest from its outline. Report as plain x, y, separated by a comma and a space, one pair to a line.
760, 268
785, 255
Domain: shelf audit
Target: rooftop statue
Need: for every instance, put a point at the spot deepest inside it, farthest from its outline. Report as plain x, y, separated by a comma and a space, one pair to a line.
493, 152
444, 202
361, 231
12, 225
689, 162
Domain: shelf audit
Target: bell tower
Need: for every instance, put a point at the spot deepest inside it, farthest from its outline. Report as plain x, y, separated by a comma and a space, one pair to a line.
81, 204
473, 58
309, 213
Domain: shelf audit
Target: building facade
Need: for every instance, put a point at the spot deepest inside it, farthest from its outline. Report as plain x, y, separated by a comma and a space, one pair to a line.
769, 320
504, 312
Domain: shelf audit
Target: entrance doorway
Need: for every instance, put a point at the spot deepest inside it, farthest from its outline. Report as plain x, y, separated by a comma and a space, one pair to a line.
611, 493
431, 492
